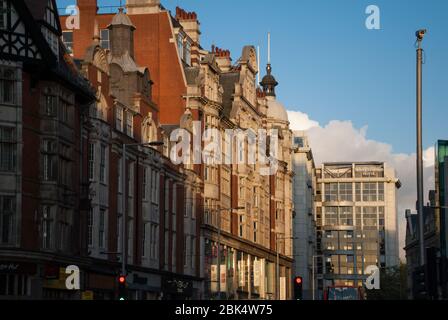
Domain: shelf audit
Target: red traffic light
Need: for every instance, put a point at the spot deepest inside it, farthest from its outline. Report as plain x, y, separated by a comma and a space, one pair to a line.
121, 279
298, 280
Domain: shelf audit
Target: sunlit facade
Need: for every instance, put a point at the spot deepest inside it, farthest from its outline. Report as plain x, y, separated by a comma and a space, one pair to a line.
357, 225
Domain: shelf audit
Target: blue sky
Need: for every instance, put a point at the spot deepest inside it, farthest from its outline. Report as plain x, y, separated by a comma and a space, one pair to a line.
331, 67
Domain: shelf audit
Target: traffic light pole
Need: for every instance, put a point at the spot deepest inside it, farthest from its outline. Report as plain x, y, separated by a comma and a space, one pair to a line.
123, 212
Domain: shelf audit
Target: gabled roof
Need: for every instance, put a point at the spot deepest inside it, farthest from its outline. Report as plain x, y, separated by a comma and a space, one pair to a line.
34, 31
37, 10
210, 59
64, 67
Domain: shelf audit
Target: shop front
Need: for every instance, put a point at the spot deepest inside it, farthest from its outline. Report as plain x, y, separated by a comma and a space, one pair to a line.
17, 280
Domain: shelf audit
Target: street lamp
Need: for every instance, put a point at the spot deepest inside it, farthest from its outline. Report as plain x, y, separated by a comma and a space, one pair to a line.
277, 271
219, 244
123, 201
420, 34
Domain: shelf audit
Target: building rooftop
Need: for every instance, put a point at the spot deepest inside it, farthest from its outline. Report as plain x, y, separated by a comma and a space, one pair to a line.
355, 163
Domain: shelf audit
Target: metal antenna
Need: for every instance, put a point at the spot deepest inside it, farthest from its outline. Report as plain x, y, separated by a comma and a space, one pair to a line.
258, 66
269, 48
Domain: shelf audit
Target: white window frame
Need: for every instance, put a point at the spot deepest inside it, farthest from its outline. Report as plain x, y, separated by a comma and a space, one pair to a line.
105, 43
103, 163
91, 161
47, 227
119, 112
102, 228
8, 149
130, 124
9, 81
68, 44
90, 224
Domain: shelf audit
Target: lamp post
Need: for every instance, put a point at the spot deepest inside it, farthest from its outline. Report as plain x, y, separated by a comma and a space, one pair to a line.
123, 200
312, 275
420, 34
219, 245
277, 269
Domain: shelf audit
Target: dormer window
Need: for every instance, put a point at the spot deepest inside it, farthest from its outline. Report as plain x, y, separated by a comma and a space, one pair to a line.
67, 38
187, 53
298, 142
50, 15
105, 42
52, 40
180, 45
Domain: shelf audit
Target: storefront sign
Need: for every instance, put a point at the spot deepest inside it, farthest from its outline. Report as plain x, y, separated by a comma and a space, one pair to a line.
87, 295
9, 267
67, 279
140, 280
17, 268
177, 286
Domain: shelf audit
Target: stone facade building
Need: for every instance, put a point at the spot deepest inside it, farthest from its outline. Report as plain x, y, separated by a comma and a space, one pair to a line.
154, 192
193, 230
304, 187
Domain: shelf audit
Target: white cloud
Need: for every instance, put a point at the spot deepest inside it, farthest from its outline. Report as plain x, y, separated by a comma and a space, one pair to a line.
301, 121
429, 157
340, 141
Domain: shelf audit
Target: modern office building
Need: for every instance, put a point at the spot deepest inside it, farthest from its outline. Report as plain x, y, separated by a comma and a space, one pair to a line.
441, 203
304, 224
356, 216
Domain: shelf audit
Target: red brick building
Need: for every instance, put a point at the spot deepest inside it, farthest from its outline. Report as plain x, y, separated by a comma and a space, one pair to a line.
61, 188
192, 230
156, 190
190, 82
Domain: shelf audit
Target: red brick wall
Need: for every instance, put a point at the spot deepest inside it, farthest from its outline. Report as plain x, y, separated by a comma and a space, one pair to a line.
153, 49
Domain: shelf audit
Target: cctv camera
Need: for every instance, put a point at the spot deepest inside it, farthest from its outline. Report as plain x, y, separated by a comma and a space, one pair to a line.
420, 33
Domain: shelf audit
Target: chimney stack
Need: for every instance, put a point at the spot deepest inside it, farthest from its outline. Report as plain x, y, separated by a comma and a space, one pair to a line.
190, 23
87, 5
222, 58
142, 6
